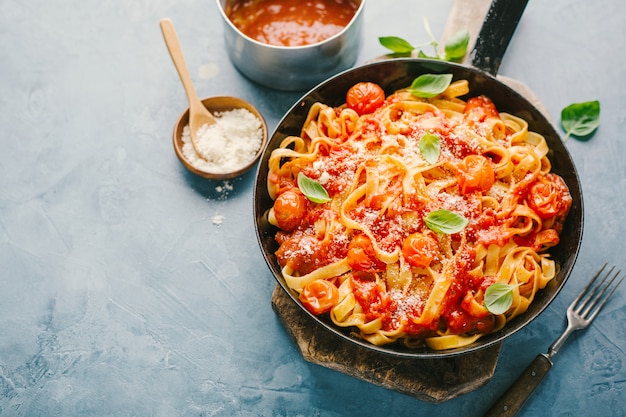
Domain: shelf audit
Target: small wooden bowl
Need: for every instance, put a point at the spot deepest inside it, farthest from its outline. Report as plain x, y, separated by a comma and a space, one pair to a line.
216, 105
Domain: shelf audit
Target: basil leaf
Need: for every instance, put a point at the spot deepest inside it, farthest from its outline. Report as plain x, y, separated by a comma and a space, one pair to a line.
445, 221
456, 46
422, 54
498, 298
312, 189
396, 44
430, 85
430, 147
581, 119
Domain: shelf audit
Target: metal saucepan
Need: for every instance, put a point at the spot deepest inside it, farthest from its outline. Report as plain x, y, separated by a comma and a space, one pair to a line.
292, 68
394, 74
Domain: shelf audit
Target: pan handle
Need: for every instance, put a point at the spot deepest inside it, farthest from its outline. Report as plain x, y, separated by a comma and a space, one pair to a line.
496, 33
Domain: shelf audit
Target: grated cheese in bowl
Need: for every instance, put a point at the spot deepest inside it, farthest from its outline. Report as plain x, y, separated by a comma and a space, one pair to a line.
226, 146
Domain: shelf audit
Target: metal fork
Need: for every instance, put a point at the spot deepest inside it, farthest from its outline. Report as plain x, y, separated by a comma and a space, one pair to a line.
580, 314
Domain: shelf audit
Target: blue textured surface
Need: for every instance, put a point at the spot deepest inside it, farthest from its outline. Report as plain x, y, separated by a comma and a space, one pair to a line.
121, 294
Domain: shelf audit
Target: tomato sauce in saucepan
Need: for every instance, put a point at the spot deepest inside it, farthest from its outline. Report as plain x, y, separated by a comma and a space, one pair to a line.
291, 22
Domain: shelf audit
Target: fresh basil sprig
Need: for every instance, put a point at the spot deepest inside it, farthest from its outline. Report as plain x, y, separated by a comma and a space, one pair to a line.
312, 189
455, 47
499, 297
580, 119
445, 221
430, 147
430, 85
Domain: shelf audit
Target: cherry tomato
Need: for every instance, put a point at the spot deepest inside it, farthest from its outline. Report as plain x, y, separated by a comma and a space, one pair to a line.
365, 97
319, 296
479, 108
419, 249
302, 253
289, 209
549, 197
361, 255
475, 174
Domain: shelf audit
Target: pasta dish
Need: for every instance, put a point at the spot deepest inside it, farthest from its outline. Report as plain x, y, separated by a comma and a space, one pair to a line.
421, 217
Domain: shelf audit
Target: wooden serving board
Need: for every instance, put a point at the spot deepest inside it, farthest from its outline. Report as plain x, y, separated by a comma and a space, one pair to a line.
431, 380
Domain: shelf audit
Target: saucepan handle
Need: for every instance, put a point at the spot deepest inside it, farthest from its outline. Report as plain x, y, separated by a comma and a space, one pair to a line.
496, 33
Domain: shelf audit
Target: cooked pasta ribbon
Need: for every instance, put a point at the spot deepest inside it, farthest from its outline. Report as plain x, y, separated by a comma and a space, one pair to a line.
398, 281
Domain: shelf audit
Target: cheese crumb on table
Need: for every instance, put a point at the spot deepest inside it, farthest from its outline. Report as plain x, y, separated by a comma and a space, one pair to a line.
218, 219
227, 145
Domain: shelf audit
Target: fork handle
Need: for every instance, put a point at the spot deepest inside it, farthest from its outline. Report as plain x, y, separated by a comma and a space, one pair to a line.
513, 399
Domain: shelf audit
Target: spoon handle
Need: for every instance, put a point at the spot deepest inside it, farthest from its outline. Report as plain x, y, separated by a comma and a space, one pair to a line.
176, 52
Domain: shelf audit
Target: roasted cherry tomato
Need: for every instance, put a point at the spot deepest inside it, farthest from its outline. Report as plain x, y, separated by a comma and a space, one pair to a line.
289, 209
365, 97
419, 249
361, 255
479, 108
549, 197
319, 296
476, 174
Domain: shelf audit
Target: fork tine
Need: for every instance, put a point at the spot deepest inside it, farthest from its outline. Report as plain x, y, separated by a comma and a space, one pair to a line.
585, 290
594, 293
605, 299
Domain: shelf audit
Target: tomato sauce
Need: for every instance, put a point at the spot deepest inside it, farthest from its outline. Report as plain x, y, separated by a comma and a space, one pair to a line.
291, 22
375, 302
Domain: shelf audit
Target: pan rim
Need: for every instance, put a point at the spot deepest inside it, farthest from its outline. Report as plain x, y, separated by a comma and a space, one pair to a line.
485, 341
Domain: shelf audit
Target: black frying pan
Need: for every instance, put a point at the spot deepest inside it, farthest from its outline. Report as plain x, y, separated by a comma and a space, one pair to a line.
394, 74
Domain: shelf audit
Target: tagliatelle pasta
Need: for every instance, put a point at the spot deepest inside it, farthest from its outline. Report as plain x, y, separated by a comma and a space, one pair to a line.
369, 255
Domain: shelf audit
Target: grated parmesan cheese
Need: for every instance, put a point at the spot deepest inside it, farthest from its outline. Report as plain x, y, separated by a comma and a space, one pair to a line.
324, 178
226, 146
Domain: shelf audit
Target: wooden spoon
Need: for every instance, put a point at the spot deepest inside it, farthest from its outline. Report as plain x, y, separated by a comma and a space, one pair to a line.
198, 114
